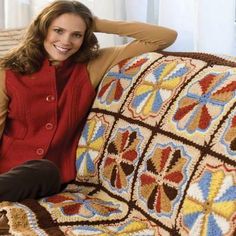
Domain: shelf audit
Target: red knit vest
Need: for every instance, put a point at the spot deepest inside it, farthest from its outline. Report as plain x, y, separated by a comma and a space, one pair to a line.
43, 123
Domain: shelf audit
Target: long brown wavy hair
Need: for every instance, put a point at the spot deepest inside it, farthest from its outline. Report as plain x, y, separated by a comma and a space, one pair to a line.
29, 56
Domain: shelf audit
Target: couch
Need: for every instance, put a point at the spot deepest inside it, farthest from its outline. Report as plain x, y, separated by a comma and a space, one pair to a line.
157, 155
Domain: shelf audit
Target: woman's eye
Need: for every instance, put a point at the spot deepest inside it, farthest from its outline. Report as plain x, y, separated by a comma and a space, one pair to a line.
77, 35
59, 31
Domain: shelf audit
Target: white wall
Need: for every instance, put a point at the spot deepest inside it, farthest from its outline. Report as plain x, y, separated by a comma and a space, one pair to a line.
202, 25
20, 8
222, 28
1, 14
179, 15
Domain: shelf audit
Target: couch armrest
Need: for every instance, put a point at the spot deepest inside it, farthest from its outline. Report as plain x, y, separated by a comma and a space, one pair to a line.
9, 38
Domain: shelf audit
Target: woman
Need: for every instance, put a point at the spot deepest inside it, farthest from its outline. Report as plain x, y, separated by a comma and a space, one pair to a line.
47, 86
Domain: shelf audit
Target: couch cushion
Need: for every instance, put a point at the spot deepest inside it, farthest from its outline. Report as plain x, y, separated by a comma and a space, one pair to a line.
157, 155
9, 39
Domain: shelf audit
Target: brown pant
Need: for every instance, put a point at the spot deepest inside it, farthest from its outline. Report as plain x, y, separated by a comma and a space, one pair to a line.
33, 179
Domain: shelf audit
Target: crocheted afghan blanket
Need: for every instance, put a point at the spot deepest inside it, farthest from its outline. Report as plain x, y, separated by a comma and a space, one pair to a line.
157, 155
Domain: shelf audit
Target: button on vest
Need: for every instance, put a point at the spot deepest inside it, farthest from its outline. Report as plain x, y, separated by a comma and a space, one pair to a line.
40, 151
49, 126
50, 98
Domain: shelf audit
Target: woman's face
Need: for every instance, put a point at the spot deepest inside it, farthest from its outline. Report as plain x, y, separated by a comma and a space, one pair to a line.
65, 36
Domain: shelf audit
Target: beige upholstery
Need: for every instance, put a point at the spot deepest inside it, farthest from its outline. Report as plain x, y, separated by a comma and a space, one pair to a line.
9, 39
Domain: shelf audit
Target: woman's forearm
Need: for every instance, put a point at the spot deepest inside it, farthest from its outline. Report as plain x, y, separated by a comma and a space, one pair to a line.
160, 37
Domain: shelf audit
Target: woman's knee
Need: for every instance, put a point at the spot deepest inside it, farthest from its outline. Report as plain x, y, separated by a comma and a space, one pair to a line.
33, 179
43, 169
45, 174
